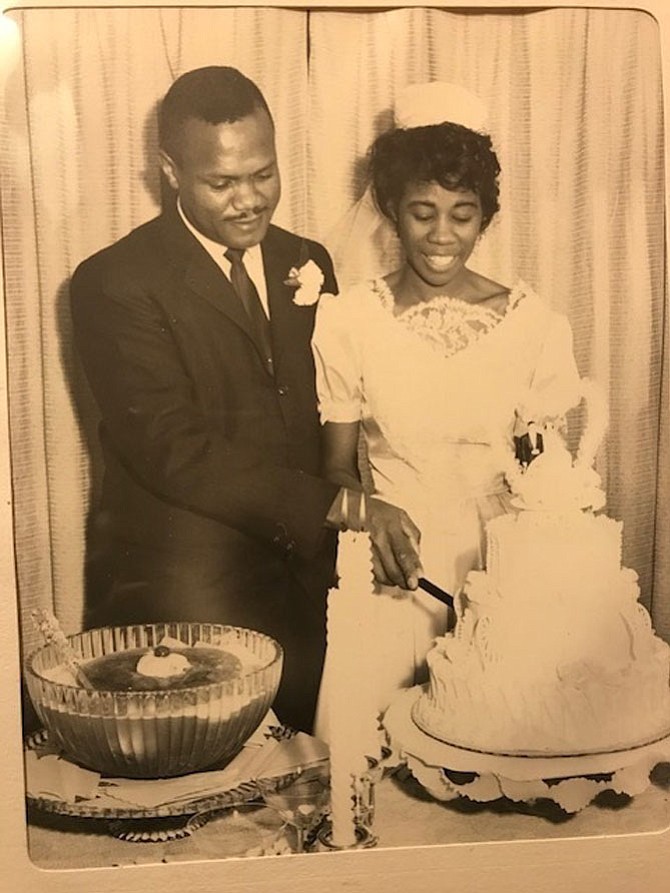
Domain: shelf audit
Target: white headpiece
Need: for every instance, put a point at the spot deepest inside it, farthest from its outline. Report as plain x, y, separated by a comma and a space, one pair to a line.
418, 105
363, 243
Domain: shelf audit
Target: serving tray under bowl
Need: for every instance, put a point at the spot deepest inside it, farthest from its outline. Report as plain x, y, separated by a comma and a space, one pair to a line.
103, 806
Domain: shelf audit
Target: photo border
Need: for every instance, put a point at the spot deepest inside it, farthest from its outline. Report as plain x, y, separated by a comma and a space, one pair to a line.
627, 862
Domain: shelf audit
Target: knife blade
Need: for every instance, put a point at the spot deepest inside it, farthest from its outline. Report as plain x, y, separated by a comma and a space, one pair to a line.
434, 590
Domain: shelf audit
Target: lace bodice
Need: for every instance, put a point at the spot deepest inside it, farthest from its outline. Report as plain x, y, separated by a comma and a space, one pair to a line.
440, 389
446, 324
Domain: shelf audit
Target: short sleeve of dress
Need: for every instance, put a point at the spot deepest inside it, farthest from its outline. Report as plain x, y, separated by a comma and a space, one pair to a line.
337, 353
555, 385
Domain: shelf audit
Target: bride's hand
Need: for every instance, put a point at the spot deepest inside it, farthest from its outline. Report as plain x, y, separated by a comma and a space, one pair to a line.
395, 545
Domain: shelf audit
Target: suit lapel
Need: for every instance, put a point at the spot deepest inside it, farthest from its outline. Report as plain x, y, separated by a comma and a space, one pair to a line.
202, 276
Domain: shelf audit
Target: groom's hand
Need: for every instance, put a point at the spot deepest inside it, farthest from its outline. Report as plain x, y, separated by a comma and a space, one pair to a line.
395, 545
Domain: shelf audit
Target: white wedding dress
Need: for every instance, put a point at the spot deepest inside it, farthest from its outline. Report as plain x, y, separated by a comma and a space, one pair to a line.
439, 390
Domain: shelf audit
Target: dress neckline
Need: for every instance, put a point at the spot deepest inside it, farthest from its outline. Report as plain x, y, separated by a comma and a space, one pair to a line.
517, 293
447, 324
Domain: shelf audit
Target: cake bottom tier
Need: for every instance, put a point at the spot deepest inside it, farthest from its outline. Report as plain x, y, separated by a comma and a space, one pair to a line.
479, 707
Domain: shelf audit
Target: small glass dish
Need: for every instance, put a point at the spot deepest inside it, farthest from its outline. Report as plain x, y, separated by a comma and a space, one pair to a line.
250, 829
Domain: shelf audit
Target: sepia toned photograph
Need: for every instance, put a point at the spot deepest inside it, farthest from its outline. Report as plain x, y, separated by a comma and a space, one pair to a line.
338, 438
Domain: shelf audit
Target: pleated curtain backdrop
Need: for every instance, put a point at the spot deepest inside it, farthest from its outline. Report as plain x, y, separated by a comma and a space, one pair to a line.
575, 113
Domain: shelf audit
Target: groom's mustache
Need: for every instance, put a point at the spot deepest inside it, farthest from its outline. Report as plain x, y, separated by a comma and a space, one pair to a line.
242, 218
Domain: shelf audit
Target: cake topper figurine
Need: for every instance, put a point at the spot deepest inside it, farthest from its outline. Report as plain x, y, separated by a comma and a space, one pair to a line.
546, 477
529, 445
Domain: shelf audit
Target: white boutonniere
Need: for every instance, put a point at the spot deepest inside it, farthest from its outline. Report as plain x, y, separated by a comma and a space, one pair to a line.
307, 281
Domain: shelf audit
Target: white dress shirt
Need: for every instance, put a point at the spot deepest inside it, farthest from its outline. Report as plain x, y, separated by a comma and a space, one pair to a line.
253, 260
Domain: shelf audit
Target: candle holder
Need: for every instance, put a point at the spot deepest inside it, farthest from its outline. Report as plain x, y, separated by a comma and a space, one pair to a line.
364, 788
365, 839
363, 800
363, 809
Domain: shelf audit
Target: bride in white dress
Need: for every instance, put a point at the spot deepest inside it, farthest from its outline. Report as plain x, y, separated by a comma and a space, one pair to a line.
440, 368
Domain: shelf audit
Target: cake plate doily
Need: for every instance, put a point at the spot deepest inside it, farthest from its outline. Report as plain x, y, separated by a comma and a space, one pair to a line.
572, 782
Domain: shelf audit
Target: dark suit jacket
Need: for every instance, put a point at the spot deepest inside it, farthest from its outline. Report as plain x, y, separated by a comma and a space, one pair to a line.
212, 508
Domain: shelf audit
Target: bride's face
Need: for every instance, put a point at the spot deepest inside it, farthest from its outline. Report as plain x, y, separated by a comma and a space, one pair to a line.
438, 229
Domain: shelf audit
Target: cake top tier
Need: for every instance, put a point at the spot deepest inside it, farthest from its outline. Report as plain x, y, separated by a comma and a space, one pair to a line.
554, 480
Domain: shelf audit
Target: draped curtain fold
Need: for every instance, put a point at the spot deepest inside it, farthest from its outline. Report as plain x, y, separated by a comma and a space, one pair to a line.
575, 113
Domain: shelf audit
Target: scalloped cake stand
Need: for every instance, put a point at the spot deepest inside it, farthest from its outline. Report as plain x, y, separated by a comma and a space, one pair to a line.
572, 782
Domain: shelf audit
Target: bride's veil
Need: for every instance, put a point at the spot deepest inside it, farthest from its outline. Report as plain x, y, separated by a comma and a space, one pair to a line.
363, 243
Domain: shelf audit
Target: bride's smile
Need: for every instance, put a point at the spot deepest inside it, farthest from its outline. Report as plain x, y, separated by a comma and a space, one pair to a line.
438, 229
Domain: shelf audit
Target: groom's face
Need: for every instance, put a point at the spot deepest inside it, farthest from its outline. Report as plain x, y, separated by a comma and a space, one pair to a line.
227, 178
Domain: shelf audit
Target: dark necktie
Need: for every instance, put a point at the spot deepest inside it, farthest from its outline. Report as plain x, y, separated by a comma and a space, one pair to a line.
247, 293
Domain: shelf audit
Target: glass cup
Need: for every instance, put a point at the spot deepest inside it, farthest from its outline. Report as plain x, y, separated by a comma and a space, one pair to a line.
301, 803
249, 829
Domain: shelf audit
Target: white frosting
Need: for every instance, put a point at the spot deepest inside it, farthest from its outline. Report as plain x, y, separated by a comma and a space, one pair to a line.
537, 554
567, 665
577, 708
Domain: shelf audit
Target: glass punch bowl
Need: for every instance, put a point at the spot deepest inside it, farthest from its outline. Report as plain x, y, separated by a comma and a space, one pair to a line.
162, 732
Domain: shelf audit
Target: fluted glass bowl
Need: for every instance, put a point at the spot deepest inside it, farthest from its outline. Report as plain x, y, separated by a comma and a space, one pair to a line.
160, 732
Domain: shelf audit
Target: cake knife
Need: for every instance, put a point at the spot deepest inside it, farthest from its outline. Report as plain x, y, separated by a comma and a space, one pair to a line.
436, 592
430, 587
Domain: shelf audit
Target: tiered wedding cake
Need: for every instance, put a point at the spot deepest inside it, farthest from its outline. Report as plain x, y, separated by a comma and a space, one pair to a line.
551, 652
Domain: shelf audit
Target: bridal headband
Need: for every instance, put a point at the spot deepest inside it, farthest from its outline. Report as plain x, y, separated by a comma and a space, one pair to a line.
418, 105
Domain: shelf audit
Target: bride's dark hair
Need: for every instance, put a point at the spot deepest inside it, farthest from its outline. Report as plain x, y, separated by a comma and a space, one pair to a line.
449, 154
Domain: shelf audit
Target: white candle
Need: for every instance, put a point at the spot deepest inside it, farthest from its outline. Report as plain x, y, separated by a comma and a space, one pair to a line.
342, 741
353, 690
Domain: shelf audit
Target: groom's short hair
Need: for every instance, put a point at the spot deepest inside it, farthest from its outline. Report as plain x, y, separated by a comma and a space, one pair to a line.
217, 94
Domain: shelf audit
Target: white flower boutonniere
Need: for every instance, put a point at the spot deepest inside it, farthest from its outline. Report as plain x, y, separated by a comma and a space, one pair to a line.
307, 281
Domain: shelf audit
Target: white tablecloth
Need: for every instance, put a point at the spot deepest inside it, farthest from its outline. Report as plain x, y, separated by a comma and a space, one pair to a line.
405, 816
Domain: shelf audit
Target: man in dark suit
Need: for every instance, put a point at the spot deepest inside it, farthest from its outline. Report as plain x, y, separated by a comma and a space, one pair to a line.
200, 361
